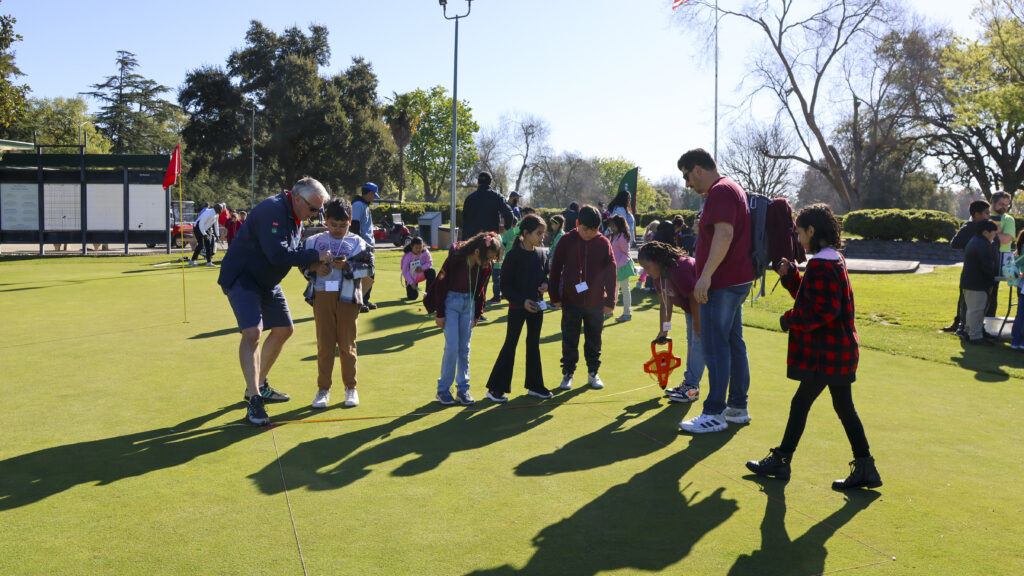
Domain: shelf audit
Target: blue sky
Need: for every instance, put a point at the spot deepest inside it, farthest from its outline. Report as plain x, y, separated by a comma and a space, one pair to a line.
612, 78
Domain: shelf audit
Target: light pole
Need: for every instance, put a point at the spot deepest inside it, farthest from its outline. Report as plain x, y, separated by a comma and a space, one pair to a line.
252, 157
455, 101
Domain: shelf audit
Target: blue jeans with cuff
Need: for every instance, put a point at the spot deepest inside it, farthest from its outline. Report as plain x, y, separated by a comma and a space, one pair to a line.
721, 328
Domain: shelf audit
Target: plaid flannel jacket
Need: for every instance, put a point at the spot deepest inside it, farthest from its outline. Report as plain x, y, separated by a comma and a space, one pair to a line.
822, 335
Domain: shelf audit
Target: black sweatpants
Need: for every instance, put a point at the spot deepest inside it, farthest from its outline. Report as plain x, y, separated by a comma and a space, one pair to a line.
204, 243
842, 402
592, 319
501, 375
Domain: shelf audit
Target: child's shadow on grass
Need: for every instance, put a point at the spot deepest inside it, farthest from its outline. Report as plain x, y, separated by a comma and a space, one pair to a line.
611, 443
31, 477
779, 554
645, 523
468, 429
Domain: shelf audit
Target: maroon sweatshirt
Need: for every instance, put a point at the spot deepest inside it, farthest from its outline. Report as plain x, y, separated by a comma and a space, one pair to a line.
575, 260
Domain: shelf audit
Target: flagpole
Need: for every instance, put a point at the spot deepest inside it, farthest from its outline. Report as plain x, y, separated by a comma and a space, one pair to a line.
716, 80
181, 233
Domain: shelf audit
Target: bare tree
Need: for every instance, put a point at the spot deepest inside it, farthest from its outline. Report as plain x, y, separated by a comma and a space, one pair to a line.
804, 52
528, 136
557, 180
492, 156
755, 157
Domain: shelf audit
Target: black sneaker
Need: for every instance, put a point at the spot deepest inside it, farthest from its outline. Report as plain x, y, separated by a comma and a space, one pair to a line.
270, 396
542, 393
955, 326
364, 308
498, 397
256, 414
776, 464
371, 306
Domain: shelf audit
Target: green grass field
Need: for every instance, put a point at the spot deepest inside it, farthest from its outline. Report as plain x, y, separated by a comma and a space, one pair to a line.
123, 452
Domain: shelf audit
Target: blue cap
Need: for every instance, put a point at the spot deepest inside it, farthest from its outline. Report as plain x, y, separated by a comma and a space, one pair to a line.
371, 187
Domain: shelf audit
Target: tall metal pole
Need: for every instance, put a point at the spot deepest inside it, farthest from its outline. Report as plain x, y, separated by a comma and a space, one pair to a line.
455, 107
252, 156
717, 18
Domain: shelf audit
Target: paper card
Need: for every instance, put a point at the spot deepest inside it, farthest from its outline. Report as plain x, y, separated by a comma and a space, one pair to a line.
581, 287
332, 286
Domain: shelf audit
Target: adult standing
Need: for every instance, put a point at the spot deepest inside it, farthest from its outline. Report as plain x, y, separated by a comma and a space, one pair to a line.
206, 230
1007, 231
266, 248
513, 203
483, 208
724, 275
362, 226
979, 210
571, 215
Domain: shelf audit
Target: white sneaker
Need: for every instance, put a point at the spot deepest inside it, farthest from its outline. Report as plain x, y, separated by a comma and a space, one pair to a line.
595, 381
566, 382
193, 263
322, 398
351, 397
736, 415
704, 423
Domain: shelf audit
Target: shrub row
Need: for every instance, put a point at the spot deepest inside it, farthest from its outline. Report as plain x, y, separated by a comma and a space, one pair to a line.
893, 224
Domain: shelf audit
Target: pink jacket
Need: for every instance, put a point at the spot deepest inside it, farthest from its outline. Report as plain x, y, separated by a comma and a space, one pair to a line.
620, 250
425, 262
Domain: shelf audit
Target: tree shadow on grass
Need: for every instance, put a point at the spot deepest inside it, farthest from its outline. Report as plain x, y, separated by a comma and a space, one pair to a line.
611, 443
645, 523
468, 429
31, 477
779, 554
986, 361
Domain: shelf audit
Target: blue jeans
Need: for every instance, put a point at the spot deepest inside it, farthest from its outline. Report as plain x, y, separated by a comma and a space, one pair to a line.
458, 328
1017, 333
721, 328
694, 355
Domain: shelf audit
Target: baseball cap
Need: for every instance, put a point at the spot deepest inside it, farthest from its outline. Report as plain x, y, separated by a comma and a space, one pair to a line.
371, 187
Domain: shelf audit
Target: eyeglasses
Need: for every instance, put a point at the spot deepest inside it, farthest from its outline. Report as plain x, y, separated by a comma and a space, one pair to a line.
686, 175
311, 207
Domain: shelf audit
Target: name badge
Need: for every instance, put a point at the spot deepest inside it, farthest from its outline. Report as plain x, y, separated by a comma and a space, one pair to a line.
542, 305
581, 287
332, 286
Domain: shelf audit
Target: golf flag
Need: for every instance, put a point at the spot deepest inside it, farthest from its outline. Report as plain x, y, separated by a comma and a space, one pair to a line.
174, 168
678, 3
629, 183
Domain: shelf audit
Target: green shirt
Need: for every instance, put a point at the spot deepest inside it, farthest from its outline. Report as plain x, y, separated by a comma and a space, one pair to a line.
1009, 227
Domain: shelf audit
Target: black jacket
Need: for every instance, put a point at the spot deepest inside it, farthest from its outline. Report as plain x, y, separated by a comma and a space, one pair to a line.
481, 210
980, 267
523, 271
964, 235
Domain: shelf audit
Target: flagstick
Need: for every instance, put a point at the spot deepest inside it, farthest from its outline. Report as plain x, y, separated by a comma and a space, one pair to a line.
181, 232
716, 79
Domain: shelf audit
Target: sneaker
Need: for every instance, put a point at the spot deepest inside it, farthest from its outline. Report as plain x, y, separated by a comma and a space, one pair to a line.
445, 397
211, 265
951, 328
775, 464
482, 318
607, 316
862, 473
465, 399
370, 306
566, 382
595, 381
256, 414
683, 393
193, 263
736, 415
498, 397
351, 397
624, 318
322, 398
364, 308
271, 396
703, 424
542, 393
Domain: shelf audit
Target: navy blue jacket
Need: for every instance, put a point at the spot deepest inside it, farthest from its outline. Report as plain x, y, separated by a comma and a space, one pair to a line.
980, 267
267, 246
480, 212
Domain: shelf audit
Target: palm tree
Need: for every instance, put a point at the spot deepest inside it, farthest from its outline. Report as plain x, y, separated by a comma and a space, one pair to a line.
402, 115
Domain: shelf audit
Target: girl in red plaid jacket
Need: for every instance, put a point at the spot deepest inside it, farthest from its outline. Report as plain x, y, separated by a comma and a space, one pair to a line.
823, 347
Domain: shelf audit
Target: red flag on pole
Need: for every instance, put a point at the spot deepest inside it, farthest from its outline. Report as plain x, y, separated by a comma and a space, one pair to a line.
678, 3
174, 168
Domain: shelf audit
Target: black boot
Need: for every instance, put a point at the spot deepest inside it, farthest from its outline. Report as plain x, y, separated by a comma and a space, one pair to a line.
776, 464
411, 293
862, 473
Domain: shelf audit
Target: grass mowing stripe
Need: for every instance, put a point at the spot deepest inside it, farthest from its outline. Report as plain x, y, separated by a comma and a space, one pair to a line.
287, 499
890, 557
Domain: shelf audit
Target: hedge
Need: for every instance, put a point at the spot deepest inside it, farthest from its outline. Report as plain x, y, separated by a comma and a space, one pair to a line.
893, 224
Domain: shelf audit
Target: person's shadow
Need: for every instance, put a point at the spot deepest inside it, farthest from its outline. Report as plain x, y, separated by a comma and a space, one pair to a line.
779, 554
645, 523
611, 443
31, 477
469, 429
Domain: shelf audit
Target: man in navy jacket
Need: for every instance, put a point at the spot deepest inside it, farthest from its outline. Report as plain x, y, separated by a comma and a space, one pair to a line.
265, 249
482, 208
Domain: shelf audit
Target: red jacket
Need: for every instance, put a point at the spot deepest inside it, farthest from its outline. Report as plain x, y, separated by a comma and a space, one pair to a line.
822, 336
456, 273
598, 266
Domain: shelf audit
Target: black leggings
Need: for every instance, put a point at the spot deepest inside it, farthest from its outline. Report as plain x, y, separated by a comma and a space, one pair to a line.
842, 401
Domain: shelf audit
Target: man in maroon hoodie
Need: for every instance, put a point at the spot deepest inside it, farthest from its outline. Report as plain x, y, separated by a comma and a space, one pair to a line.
582, 282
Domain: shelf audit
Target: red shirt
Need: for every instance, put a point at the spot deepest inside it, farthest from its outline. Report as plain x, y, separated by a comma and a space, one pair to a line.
574, 261
678, 283
726, 203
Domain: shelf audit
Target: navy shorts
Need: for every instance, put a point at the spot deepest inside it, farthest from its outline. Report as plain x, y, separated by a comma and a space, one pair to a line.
255, 307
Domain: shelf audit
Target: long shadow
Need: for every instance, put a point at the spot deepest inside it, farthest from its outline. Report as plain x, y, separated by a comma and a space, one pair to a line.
31, 477
609, 444
234, 330
779, 554
466, 430
986, 362
645, 523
